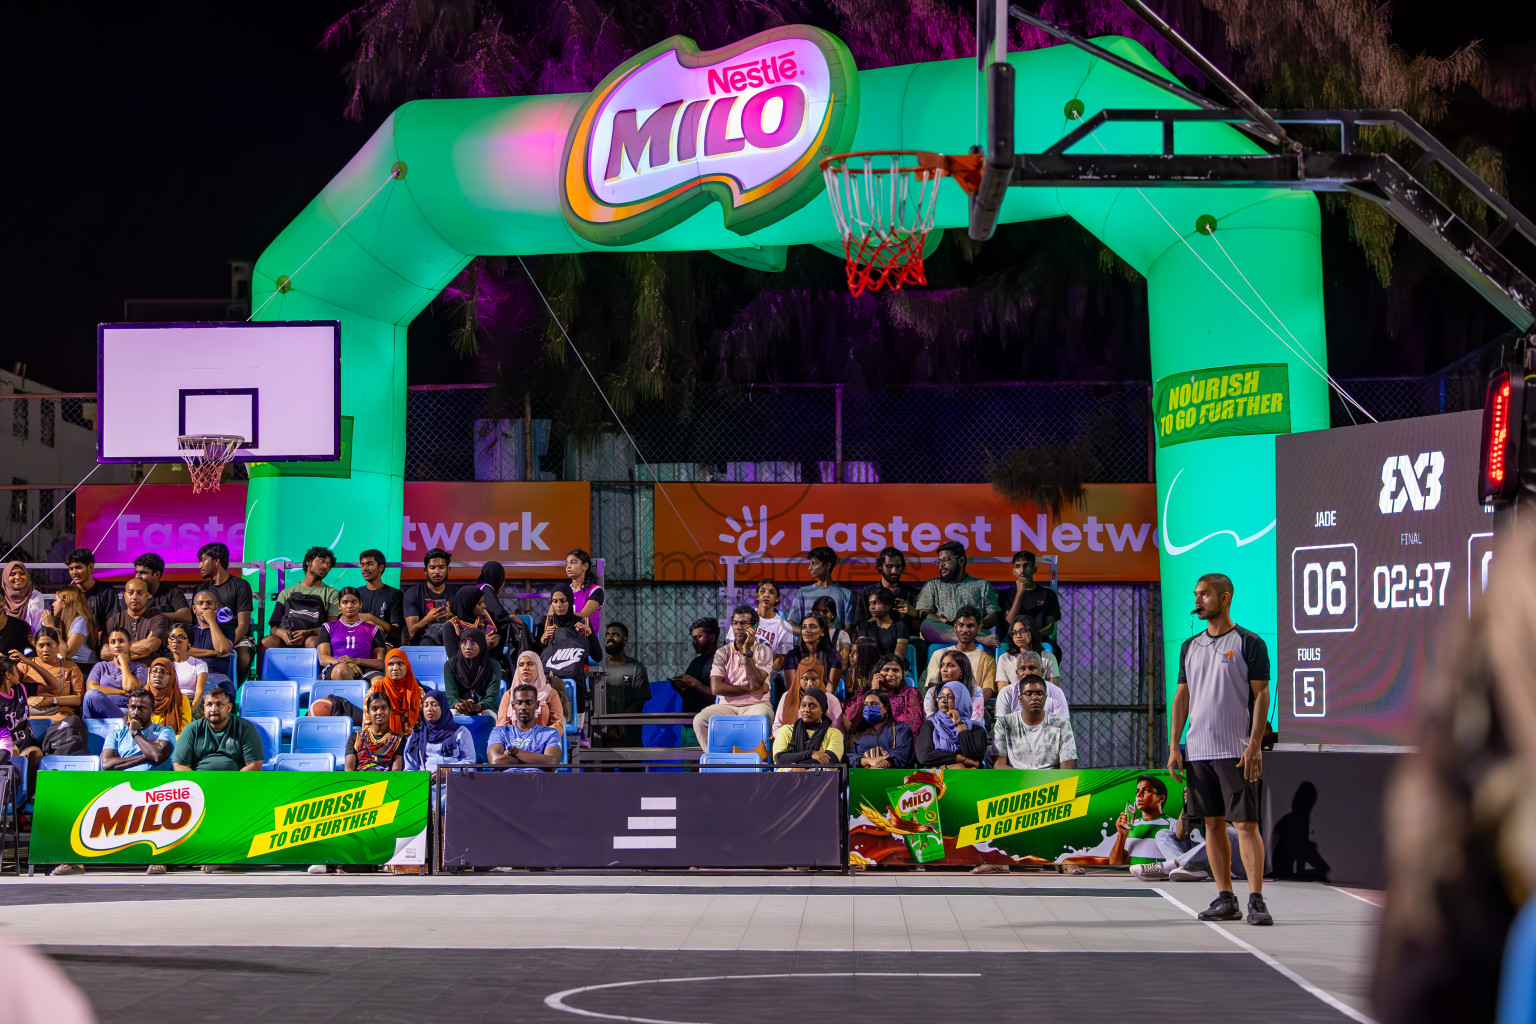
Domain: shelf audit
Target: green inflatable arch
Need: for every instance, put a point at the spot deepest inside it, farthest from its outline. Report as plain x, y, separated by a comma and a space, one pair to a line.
486, 177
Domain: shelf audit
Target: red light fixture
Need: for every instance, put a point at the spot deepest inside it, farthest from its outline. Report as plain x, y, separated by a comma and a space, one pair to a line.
1501, 425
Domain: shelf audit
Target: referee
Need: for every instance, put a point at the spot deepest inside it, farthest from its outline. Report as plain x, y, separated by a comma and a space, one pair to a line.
1224, 693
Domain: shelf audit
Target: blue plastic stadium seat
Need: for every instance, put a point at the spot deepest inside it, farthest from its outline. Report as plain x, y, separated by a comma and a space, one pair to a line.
744, 732
479, 727
96, 732
313, 735
1517, 987
911, 659
570, 695
527, 621
300, 663
69, 763
271, 735
427, 662
40, 728
731, 762
23, 792
352, 689
271, 698
310, 761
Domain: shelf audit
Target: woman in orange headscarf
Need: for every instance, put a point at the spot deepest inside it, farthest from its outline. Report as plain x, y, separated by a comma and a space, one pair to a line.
172, 707
398, 683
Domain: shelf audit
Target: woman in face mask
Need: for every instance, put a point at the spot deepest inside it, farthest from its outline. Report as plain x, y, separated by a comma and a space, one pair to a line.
876, 739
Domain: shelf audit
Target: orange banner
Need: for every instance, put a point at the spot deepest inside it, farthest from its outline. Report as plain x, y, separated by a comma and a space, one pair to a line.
747, 531
502, 522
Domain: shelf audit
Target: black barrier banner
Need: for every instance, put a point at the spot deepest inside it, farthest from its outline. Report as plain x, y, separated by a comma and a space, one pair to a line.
639, 820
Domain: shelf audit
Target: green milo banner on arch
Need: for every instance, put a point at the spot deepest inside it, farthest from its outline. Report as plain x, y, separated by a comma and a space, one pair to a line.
1220, 401
230, 818
898, 818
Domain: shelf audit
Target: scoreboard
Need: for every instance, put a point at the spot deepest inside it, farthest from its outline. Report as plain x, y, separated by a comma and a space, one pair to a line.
1379, 540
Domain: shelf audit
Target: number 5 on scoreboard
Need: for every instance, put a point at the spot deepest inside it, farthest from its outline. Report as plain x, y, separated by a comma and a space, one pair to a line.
1324, 590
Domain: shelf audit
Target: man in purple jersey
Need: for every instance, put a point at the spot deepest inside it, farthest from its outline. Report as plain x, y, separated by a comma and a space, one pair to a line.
350, 647
1224, 692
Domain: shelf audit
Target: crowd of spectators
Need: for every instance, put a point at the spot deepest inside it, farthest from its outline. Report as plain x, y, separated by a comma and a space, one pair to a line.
948, 674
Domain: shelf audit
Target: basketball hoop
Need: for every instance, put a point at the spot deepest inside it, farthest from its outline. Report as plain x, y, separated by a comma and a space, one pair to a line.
884, 204
206, 455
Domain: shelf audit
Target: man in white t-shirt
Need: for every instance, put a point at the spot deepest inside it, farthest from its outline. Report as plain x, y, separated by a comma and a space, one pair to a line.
772, 628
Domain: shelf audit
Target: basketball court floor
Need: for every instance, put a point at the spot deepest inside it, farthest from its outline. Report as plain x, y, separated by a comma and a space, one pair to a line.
702, 948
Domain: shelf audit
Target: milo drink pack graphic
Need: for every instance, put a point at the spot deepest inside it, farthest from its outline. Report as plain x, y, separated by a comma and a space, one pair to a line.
915, 807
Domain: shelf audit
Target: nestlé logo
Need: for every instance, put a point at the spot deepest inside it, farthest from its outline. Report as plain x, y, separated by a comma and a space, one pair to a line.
161, 818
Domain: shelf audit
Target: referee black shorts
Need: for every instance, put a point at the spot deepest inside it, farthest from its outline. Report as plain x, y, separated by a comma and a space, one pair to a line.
1217, 789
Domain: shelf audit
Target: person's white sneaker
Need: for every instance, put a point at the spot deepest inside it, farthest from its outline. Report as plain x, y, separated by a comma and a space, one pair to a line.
319, 869
1153, 872
1183, 874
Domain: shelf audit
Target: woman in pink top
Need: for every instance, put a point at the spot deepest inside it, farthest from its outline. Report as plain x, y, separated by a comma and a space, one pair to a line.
588, 593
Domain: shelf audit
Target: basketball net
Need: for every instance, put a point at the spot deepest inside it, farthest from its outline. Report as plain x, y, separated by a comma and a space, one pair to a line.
206, 455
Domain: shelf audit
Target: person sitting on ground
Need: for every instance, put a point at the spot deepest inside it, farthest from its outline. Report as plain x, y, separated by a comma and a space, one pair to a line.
1032, 737
550, 711
100, 598
441, 740
890, 679
812, 740
56, 685
587, 594
1182, 853
112, 678
172, 707
951, 738
738, 676
966, 626
876, 739
15, 726
627, 686
303, 608
523, 743
191, 673
146, 630
815, 643
138, 743
233, 603
827, 609
426, 603
941, 600
884, 625
22, 600
220, 741
349, 648
820, 562
1029, 664
472, 675
399, 686
1136, 833
164, 598
77, 627
376, 747
1021, 640
954, 666
383, 605
773, 628
809, 675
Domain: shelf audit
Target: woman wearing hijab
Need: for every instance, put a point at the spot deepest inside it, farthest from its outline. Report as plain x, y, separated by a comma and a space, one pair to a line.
441, 741
890, 679
956, 667
399, 686
172, 707
22, 601
877, 740
530, 670
471, 674
949, 739
812, 741
809, 675
467, 611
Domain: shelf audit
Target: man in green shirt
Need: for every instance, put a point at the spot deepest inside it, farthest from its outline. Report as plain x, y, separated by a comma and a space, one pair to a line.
220, 741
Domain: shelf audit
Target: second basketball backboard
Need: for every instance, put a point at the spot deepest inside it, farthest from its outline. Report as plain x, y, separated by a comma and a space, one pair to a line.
275, 384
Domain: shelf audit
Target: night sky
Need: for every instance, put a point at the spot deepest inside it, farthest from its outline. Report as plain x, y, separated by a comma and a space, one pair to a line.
151, 147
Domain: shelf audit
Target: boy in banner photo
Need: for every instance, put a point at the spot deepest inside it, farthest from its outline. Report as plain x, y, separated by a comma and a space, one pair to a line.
1008, 817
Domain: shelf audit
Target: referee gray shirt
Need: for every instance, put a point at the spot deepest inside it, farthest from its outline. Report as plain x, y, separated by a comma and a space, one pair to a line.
1217, 670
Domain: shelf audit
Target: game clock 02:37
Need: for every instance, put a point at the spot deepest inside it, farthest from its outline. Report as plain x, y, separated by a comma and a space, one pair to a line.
1375, 527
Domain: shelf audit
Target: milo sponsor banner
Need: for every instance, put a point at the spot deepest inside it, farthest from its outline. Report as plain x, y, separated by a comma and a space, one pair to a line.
1221, 401
968, 817
230, 818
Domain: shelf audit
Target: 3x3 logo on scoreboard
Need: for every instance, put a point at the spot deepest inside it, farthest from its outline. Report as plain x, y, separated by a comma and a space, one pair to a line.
1379, 532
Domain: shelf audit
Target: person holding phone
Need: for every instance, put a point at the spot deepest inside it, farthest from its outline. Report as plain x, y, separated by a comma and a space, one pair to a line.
738, 675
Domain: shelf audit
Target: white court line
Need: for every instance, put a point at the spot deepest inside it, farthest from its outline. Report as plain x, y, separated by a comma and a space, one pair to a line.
1355, 896
1327, 997
556, 1001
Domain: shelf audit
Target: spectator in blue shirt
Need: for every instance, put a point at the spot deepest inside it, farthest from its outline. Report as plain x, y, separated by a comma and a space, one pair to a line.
522, 742
137, 744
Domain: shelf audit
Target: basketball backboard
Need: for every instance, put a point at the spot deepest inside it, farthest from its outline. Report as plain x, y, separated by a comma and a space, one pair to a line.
276, 384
